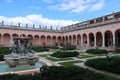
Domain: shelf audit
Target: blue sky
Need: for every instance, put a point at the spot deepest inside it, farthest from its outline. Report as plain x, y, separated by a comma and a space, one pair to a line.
57, 13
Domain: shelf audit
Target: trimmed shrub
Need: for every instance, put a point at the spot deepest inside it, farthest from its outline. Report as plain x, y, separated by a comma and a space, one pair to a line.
4, 51
111, 65
60, 73
53, 47
39, 49
68, 47
96, 51
61, 54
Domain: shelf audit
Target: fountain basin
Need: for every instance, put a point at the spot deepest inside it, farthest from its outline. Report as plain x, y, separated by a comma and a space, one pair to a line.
20, 69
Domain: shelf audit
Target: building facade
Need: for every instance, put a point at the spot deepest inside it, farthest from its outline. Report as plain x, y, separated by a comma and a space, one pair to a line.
102, 32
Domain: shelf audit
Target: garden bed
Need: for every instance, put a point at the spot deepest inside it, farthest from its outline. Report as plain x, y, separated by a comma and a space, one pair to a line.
110, 65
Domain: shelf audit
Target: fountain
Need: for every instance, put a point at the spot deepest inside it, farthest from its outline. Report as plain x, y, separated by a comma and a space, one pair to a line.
21, 53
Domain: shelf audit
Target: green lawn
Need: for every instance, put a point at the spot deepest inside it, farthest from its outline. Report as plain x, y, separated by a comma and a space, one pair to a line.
54, 58
85, 56
70, 63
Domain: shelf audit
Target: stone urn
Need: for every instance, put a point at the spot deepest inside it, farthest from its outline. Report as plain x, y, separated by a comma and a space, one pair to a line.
32, 59
12, 62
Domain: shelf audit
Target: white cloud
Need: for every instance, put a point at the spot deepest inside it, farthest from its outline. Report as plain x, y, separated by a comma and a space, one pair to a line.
97, 6
37, 20
78, 5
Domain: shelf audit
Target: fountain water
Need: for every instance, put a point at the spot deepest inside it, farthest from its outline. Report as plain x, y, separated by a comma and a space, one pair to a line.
21, 52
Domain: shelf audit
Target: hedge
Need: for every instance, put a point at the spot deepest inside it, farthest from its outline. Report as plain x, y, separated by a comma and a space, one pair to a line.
4, 51
68, 47
110, 65
96, 51
60, 73
39, 49
61, 54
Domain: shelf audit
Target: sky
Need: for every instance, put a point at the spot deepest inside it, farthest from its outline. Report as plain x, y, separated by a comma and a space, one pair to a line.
56, 13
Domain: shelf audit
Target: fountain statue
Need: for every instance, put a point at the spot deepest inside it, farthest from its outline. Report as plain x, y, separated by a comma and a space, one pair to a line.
21, 52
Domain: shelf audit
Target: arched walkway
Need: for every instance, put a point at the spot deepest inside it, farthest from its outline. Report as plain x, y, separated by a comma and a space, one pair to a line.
79, 39
99, 39
15, 35
66, 40
108, 38
31, 37
48, 41
74, 39
59, 41
54, 41
43, 42
117, 38
70, 40
91, 39
84, 40
36, 40
63, 41
6, 39
22, 35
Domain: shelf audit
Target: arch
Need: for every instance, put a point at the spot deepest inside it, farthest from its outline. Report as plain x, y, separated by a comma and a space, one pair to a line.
108, 38
70, 39
79, 39
54, 41
15, 35
22, 35
59, 41
48, 41
43, 40
117, 37
63, 41
99, 39
84, 40
91, 39
36, 40
31, 37
0, 39
74, 39
66, 40
6, 39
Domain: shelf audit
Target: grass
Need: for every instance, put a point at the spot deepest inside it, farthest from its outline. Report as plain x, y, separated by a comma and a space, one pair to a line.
70, 63
85, 56
58, 59
54, 50
43, 55
54, 58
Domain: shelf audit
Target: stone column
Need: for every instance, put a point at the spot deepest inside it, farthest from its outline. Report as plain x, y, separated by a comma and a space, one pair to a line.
81, 41
1, 39
51, 41
76, 41
88, 41
94, 40
113, 39
39, 40
103, 40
